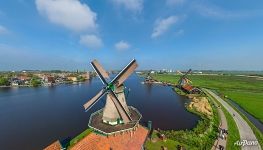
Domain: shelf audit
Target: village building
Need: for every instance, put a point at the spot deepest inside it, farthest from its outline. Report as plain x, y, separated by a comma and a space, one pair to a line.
72, 78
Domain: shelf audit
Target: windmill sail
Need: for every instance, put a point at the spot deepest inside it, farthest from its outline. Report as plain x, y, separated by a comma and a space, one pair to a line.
125, 73
91, 102
100, 71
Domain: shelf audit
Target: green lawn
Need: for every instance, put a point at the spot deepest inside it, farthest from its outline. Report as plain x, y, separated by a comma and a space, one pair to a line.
169, 144
79, 137
247, 92
251, 102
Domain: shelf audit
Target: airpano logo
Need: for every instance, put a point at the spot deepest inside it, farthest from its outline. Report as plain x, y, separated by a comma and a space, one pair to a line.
246, 143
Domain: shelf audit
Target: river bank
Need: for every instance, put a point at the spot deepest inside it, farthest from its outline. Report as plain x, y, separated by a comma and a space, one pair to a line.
47, 85
243, 90
200, 137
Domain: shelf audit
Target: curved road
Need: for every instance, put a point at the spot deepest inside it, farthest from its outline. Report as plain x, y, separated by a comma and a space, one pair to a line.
223, 125
245, 131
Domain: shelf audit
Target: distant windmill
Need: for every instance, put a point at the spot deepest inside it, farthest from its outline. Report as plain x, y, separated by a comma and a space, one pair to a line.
149, 79
179, 72
116, 110
185, 84
149, 74
184, 80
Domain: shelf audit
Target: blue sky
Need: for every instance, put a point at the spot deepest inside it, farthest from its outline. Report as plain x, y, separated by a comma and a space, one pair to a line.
172, 34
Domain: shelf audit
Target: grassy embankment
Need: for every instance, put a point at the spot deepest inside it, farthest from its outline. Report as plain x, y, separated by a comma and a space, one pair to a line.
245, 91
233, 135
169, 144
197, 138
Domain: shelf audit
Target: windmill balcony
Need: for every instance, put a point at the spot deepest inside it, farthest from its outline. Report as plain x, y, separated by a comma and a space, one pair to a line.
107, 128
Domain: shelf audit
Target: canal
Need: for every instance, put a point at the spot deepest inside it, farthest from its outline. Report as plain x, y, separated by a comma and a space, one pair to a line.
32, 118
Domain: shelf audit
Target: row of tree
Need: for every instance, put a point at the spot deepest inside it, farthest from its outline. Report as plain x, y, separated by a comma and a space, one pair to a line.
4, 81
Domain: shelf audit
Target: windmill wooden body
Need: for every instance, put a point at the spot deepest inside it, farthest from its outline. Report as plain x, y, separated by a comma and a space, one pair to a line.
185, 84
184, 80
116, 110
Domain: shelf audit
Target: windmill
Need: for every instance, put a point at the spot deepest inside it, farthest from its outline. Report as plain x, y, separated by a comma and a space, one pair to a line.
149, 75
117, 121
116, 110
184, 80
148, 78
185, 84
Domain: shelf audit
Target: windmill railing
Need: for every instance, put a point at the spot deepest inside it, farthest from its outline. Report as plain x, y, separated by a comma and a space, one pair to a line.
135, 122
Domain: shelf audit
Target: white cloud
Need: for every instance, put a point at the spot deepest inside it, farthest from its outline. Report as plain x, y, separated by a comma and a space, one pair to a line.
122, 45
175, 2
162, 25
71, 14
131, 5
91, 41
3, 30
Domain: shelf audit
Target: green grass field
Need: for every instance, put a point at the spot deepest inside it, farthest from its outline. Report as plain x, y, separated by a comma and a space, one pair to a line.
169, 144
247, 92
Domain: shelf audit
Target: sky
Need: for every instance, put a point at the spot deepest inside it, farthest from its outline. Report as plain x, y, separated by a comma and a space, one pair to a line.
171, 34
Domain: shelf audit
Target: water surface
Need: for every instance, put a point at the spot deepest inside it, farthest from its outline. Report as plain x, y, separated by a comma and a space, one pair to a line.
32, 118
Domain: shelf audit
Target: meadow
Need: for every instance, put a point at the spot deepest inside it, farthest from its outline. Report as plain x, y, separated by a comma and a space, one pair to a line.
245, 91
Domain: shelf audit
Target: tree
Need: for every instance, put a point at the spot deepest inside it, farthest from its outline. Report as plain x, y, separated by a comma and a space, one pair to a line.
35, 82
4, 81
80, 78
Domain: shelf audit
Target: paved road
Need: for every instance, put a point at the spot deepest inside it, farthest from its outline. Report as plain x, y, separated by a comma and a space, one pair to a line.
223, 125
245, 131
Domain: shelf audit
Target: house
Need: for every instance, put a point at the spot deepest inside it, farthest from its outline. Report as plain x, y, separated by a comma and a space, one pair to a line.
15, 81
86, 75
190, 89
48, 80
40, 75
23, 77
60, 80
72, 78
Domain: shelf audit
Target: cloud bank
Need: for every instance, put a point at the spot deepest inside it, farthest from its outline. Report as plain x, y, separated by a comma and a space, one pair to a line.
72, 14
162, 25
